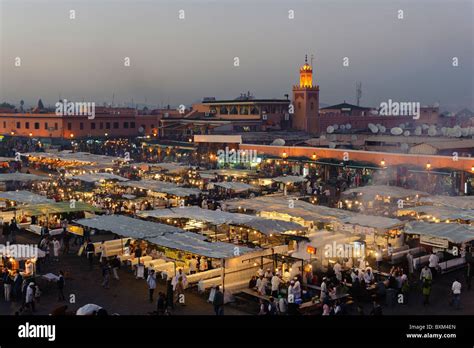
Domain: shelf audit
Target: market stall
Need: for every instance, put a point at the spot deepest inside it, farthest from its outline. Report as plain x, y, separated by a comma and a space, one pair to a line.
448, 239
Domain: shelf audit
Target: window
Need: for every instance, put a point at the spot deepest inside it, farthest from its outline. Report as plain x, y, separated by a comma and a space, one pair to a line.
37, 125
116, 125
56, 126
299, 105
312, 105
125, 125
27, 125
4, 124
46, 125
69, 126
132, 124
93, 125
18, 125
107, 125
101, 125
81, 125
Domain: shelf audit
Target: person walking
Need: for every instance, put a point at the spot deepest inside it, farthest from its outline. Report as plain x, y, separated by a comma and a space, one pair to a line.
90, 251
151, 281
433, 264
115, 266
7, 284
456, 291
60, 283
56, 248
105, 274
30, 297
169, 293
426, 290
161, 304
218, 302
179, 290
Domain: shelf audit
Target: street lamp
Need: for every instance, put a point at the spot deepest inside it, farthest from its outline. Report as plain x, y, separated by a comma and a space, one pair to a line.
313, 156
382, 162
428, 166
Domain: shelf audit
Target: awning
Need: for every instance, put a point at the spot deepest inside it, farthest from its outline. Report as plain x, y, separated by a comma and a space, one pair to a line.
25, 197
58, 207
235, 186
22, 177
128, 227
165, 236
290, 179
97, 177
441, 213
455, 233
163, 187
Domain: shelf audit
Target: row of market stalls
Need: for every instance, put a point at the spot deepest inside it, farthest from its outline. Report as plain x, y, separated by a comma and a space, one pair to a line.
373, 231
241, 229
168, 248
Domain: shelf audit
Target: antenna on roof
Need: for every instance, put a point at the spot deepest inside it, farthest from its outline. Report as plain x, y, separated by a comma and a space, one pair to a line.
312, 57
358, 92
306, 58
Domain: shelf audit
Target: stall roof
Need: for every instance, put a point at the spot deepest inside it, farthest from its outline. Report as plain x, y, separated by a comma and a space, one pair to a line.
266, 226
22, 177
196, 213
227, 172
67, 155
460, 202
171, 167
58, 207
310, 212
371, 191
442, 213
197, 244
127, 226
25, 197
235, 186
96, 177
289, 179
163, 187
455, 233
164, 235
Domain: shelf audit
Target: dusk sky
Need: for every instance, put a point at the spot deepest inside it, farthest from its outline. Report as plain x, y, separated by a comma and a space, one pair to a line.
181, 61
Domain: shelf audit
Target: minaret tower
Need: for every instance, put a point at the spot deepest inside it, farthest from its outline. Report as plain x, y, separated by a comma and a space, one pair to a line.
306, 102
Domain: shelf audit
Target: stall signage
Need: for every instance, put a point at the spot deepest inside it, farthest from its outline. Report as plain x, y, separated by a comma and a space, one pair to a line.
311, 250
356, 229
434, 241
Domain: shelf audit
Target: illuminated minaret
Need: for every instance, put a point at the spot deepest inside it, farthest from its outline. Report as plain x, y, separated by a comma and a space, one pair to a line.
306, 102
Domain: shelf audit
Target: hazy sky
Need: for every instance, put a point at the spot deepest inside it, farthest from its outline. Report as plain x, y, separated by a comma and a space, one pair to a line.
182, 61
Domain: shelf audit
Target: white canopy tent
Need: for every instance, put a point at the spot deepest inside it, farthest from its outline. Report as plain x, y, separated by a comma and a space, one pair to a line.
97, 177
24, 197
163, 187
370, 192
163, 235
22, 177
266, 226
455, 233
235, 186
128, 227
439, 212
289, 179
460, 202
